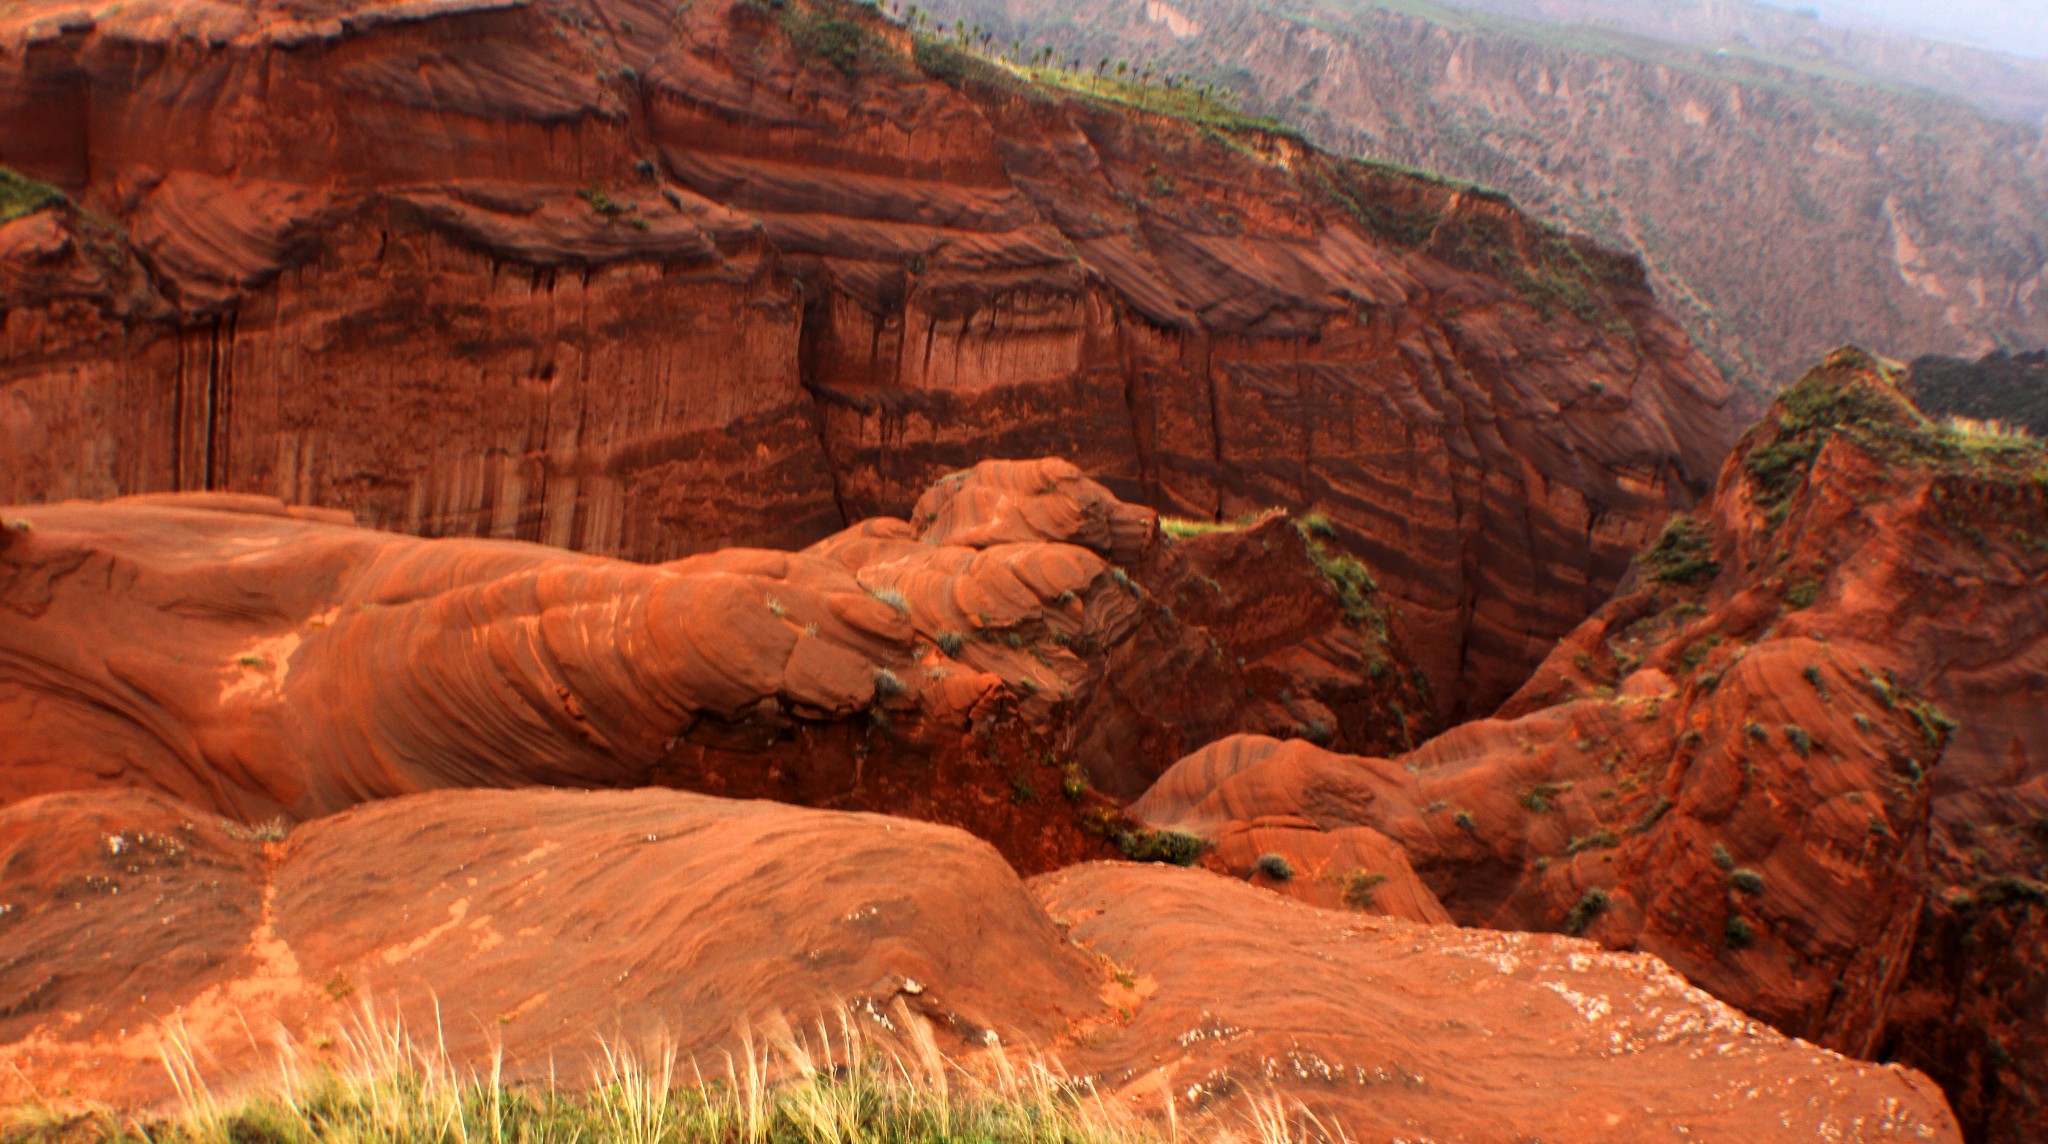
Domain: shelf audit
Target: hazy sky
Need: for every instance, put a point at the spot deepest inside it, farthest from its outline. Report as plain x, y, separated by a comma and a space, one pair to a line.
2016, 26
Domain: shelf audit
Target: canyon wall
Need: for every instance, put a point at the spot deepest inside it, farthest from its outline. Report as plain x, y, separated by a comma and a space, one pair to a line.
645, 282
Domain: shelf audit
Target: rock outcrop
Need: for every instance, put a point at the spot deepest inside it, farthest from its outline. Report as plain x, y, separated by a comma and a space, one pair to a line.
988, 666
648, 281
531, 920
1797, 757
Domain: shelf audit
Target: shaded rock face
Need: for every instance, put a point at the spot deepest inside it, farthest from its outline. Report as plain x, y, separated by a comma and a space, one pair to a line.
646, 283
984, 667
531, 920
1796, 757
1782, 203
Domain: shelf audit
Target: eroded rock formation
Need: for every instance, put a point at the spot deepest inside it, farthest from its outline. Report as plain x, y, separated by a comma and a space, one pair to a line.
1797, 757
533, 919
986, 666
648, 281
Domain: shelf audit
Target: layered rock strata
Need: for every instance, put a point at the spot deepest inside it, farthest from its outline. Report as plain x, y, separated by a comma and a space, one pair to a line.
647, 282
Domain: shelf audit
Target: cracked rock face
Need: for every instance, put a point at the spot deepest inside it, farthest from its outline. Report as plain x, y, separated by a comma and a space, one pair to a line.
647, 282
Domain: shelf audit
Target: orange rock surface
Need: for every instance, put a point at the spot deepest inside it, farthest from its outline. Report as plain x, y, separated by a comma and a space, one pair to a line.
646, 281
1797, 757
983, 667
538, 919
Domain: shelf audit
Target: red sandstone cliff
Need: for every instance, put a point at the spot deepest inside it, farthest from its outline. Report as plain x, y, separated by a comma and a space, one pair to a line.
1799, 756
645, 281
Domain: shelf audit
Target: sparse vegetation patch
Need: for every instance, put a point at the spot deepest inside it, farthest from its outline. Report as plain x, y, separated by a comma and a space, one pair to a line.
21, 196
1682, 554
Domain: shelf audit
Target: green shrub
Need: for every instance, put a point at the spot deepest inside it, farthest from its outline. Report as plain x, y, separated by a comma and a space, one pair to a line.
600, 202
951, 642
1802, 592
1073, 782
888, 684
1738, 932
1696, 653
1746, 880
1650, 818
1315, 731
1722, 858
1935, 724
1591, 905
1170, 846
1541, 798
1800, 740
1181, 528
1347, 575
1682, 554
1360, 888
1276, 867
843, 43
1597, 840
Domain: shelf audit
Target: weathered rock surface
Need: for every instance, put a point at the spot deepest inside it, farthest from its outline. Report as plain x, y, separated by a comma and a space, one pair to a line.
646, 281
537, 918
1798, 757
1389, 1029
982, 667
534, 919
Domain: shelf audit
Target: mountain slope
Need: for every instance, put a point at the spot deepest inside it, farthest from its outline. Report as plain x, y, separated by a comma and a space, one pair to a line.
1837, 38
1782, 207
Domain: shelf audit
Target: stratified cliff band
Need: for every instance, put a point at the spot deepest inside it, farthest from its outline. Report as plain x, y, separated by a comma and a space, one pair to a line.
645, 281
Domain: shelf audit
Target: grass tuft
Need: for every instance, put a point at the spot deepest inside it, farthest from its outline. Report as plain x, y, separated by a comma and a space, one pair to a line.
871, 1077
891, 597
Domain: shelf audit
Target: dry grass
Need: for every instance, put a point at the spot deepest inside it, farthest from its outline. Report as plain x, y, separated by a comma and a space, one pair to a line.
1970, 430
869, 1077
